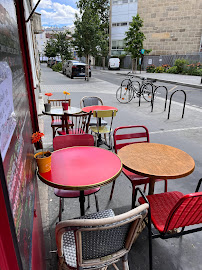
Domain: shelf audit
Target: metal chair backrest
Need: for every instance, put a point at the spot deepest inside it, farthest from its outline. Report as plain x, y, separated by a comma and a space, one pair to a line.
100, 241
90, 101
106, 113
187, 211
128, 135
58, 103
70, 140
77, 123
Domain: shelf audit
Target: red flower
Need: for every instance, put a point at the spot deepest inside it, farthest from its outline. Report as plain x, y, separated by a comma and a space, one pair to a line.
48, 94
36, 137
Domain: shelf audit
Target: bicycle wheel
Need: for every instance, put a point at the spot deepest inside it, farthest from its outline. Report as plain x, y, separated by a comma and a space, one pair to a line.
124, 94
147, 91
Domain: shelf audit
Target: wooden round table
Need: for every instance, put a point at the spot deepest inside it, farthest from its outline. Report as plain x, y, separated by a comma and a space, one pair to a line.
156, 161
81, 168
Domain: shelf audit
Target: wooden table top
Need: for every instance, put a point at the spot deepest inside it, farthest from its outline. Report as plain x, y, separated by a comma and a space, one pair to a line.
156, 160
98, 108
58, 111
82, 167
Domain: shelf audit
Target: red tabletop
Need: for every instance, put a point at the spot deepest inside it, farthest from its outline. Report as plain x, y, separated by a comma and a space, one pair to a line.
82, 167
98, 108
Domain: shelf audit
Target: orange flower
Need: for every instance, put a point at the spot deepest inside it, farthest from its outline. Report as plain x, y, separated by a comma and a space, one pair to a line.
36, 137
48, 94
66, 93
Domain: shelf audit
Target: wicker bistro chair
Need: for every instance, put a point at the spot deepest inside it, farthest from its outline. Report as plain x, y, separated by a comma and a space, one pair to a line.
90, 101
70, 140
98, 240
75, 123
99, 129
128, 135
173, 210
56, 122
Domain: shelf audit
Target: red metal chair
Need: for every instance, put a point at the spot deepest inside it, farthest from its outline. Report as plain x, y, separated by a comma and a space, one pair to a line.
56, 122
69, 141
128, 135
173, 210
76, 123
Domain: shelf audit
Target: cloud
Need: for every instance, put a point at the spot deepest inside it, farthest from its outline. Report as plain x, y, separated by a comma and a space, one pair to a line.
47, 4
57, 14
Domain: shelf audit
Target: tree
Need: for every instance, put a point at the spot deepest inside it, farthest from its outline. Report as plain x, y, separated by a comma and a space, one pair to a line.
50, 50
63, 45
87, 35
134, 38
59, 44
101, 9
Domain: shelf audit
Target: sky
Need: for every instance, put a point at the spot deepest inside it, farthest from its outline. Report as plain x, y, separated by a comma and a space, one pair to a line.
57, 13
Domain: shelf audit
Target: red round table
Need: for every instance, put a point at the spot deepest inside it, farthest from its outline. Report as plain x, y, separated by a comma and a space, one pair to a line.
80, 168
98, 108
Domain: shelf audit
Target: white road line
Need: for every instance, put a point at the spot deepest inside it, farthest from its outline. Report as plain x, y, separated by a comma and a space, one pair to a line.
174, 130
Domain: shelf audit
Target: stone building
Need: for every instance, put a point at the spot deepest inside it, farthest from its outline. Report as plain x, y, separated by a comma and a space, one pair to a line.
171, 26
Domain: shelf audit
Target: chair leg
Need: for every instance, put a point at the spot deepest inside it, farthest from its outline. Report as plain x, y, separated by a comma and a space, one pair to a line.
88, 201
53, 129
96, 202
133, 196
125, 262
145, 186
112, 190
166, 185
61, 208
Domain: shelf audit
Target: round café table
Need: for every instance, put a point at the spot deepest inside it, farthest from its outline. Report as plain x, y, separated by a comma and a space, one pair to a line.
58, 111
81, 168
156, 161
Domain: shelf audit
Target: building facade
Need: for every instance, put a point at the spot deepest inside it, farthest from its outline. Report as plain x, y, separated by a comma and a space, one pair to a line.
170, 27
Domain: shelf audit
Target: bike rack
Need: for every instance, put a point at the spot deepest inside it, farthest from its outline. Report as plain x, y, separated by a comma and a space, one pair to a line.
152, 100
185, 97
141, 90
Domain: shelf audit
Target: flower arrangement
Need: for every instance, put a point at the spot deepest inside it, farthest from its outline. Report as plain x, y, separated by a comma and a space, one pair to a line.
48, 95
66, 93
36, 137
43, 159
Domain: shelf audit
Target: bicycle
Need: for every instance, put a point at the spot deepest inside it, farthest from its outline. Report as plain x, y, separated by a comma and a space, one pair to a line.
130, 89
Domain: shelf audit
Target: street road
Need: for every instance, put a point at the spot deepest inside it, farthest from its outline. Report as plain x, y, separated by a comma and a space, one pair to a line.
194, 95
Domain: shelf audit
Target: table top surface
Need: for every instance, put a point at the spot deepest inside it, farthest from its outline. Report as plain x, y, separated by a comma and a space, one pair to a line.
156, 160
60, 112
98, 108
82, 167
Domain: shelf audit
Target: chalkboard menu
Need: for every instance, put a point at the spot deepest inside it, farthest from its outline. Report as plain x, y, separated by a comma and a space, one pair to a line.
15, 131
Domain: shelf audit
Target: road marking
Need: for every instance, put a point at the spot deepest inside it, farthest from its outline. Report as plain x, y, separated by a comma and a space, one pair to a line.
174, 130
173, 88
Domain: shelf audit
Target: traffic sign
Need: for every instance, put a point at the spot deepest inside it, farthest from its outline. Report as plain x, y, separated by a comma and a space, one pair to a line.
142, 51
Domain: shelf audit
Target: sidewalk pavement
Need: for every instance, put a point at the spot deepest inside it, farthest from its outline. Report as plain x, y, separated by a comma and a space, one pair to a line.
184, 80
183, 133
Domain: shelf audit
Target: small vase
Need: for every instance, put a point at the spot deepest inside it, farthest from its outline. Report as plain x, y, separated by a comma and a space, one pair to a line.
43, 162
65, 106
47, 107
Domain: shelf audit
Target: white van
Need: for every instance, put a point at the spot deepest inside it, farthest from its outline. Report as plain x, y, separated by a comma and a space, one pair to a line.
114, 63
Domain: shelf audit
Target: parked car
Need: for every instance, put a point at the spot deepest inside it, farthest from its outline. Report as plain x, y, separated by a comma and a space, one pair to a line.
74, 68
114, 63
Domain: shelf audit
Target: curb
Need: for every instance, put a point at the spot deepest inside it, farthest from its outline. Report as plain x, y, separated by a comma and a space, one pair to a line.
167, 81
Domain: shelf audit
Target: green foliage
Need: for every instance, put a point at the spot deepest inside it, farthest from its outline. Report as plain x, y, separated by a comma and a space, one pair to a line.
57, 67
159, 69
87, 36
172, 70
62, 45
50, 49
134, 37
150, 69
180, 64
99, 8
